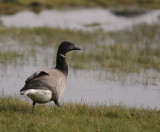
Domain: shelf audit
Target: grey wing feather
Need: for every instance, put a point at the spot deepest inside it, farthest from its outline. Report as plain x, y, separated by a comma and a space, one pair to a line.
36, 75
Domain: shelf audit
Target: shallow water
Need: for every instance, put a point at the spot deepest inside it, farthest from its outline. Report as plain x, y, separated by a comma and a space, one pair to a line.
82, 19
91, 90
90, 87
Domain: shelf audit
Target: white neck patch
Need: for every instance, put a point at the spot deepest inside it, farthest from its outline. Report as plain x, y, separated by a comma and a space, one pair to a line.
62, 55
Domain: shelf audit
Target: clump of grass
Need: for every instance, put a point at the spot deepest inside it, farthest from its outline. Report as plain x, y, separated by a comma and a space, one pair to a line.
16, 115
92, 25
10, 57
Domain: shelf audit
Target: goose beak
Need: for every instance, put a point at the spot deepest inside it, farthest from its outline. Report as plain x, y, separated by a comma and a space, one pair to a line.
76, 48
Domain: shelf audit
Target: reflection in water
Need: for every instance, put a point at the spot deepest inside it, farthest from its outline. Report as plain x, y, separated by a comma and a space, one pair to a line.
82, 19
86, 87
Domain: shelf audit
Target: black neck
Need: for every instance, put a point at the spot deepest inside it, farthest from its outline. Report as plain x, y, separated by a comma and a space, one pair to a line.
61, 64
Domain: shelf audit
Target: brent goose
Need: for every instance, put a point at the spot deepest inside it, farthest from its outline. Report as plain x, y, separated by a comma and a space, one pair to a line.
48, 85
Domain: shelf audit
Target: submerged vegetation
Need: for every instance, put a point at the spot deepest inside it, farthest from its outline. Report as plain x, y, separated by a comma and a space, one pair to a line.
12, 6
10, 57
16, 115
126, 51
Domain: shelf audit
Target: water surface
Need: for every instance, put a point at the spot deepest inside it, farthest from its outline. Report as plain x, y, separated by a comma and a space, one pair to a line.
91, 87
82, 19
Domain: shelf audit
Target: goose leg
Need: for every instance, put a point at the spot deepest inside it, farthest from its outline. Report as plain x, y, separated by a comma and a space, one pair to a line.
33, 106
56, 102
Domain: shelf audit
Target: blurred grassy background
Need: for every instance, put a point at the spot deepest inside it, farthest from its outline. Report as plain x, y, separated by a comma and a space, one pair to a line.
12, 6
125, 51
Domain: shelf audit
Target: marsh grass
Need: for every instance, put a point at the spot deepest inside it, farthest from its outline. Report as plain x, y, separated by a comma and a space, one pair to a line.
8, 57
118, 57
16, 115
125, 51
92, 24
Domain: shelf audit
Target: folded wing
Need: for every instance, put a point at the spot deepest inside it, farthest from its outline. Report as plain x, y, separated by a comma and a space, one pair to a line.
49, 79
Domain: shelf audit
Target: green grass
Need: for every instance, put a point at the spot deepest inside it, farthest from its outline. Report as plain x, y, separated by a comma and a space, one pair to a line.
16, 115
12, 6
125, 51
8, 57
